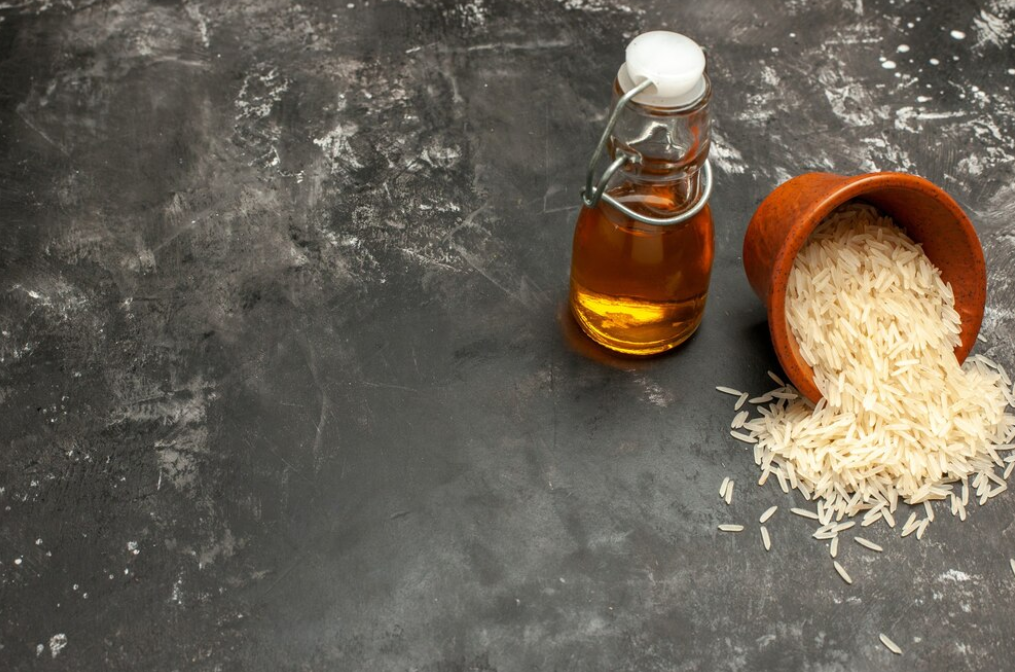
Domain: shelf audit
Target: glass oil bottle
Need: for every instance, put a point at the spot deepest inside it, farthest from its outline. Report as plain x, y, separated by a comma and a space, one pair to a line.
643, 242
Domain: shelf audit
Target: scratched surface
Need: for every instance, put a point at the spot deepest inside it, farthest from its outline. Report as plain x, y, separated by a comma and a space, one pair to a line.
284, 378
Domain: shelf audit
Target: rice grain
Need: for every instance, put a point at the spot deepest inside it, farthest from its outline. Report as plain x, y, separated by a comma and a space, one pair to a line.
868, 544
842, 572
805, 513
739, 436
890, 645
741, 401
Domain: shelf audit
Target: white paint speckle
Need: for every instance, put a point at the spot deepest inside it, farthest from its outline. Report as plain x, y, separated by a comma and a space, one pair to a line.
336, 147
879, 154
888, 65
655, 394
923, 99
259, 93
958, 34
906, 119
17, 561
57, 644
39, 648
595, 6
955, 575
132, 547
726, 157
934, 61
902, 48
194, 12
992, 29
38, 542
1011, 71
438, 156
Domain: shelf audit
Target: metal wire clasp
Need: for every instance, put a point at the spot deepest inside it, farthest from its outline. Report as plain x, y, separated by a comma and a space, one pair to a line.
596, 189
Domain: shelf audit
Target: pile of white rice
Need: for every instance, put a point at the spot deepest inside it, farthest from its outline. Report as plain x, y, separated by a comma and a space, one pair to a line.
900, 418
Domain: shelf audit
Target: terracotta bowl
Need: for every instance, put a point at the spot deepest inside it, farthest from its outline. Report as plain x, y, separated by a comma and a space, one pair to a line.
781, 224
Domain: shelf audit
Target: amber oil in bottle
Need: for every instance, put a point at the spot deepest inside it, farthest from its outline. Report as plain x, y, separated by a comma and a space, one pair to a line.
640, 288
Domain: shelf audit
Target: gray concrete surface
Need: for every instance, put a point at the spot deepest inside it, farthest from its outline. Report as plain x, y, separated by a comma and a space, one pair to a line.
287, 380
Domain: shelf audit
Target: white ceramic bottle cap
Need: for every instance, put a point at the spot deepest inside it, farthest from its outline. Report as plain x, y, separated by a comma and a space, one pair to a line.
674, 63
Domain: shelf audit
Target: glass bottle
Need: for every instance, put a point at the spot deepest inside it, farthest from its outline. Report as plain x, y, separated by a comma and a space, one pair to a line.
643, 242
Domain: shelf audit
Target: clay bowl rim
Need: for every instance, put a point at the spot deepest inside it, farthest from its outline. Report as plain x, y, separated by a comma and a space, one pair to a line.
851, 188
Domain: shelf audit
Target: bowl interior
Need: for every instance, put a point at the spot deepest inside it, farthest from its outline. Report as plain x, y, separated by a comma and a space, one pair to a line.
930, 217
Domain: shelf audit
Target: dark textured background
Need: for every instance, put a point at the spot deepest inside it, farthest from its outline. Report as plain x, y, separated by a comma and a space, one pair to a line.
282, 295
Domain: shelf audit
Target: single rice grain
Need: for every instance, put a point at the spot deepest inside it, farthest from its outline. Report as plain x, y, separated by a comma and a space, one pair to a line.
741, 401
868, 544
805, 513
890, 645
739, 419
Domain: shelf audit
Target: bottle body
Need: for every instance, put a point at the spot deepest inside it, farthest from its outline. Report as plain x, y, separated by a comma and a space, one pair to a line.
638, 288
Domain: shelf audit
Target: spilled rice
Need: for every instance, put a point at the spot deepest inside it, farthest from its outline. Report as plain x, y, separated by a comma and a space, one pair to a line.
901, 421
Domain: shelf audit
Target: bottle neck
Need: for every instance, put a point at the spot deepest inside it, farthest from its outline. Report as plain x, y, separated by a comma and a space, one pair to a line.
667, 148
